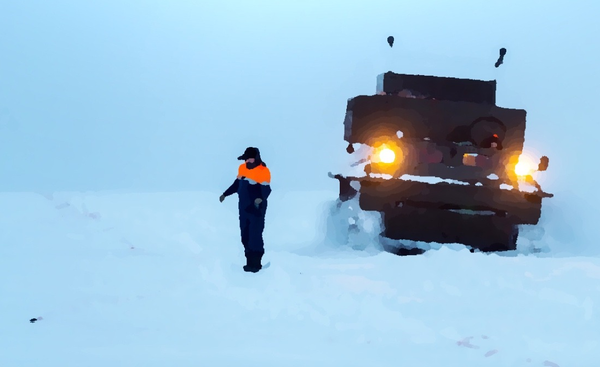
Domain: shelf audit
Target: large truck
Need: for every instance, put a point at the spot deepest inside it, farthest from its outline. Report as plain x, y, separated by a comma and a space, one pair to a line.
443, 163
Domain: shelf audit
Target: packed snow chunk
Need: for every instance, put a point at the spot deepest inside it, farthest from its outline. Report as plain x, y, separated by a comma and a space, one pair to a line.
430, 179
456, 182
526, 187
385, 176
349, 227
355, 185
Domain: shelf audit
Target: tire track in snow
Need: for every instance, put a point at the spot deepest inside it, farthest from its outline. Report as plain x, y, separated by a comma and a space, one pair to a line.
466, 343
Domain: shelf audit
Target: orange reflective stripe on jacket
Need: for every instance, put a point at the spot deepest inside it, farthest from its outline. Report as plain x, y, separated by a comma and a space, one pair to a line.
260, 174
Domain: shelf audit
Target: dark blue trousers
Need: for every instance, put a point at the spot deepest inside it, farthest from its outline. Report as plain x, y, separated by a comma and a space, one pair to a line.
252, 225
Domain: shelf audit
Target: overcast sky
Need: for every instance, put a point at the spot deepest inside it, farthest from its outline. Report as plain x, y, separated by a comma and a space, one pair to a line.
164, 95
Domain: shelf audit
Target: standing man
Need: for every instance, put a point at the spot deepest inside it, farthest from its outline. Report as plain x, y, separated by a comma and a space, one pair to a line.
253, 188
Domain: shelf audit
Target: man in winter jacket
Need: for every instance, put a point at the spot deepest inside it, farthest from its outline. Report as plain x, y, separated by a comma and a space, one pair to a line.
253, 188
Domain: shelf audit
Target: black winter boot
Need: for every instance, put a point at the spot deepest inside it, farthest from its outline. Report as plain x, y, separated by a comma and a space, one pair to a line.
253, 263
259, 261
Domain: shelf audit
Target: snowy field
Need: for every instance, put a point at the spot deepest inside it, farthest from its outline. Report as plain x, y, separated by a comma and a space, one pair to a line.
155, 280
162, 96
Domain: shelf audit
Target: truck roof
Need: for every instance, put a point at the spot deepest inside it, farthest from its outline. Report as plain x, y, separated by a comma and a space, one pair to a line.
439, 88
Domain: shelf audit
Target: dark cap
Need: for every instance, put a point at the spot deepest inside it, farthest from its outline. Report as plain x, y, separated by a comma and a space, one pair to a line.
250, 152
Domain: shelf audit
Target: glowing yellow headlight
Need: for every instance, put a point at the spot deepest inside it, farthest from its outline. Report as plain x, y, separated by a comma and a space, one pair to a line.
525, 166
387, 155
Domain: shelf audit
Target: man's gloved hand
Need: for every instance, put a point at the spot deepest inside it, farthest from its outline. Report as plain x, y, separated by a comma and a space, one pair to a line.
257, 202
221, 198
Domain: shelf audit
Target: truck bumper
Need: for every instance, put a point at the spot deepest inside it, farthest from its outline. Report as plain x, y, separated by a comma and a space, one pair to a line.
384, 195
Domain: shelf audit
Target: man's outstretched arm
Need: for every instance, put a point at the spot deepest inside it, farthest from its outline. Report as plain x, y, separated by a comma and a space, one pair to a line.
231, 190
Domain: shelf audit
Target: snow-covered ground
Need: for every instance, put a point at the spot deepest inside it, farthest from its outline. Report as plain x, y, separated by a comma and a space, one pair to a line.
155, 279
162, 96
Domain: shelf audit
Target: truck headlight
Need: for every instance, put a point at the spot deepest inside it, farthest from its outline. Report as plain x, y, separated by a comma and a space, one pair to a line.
386, 155
525, 166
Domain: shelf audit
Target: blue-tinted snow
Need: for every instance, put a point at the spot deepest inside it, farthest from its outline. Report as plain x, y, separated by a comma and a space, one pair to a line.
155, 279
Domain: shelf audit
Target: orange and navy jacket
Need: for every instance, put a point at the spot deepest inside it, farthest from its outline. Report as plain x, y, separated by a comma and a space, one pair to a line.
251, 184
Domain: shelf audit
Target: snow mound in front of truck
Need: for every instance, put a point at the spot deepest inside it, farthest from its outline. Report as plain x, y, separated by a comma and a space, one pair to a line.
349, 228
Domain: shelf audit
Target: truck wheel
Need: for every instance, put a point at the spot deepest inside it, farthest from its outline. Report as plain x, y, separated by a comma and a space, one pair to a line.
509, 245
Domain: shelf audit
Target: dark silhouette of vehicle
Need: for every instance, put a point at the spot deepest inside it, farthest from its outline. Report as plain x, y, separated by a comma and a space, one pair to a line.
445, 163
